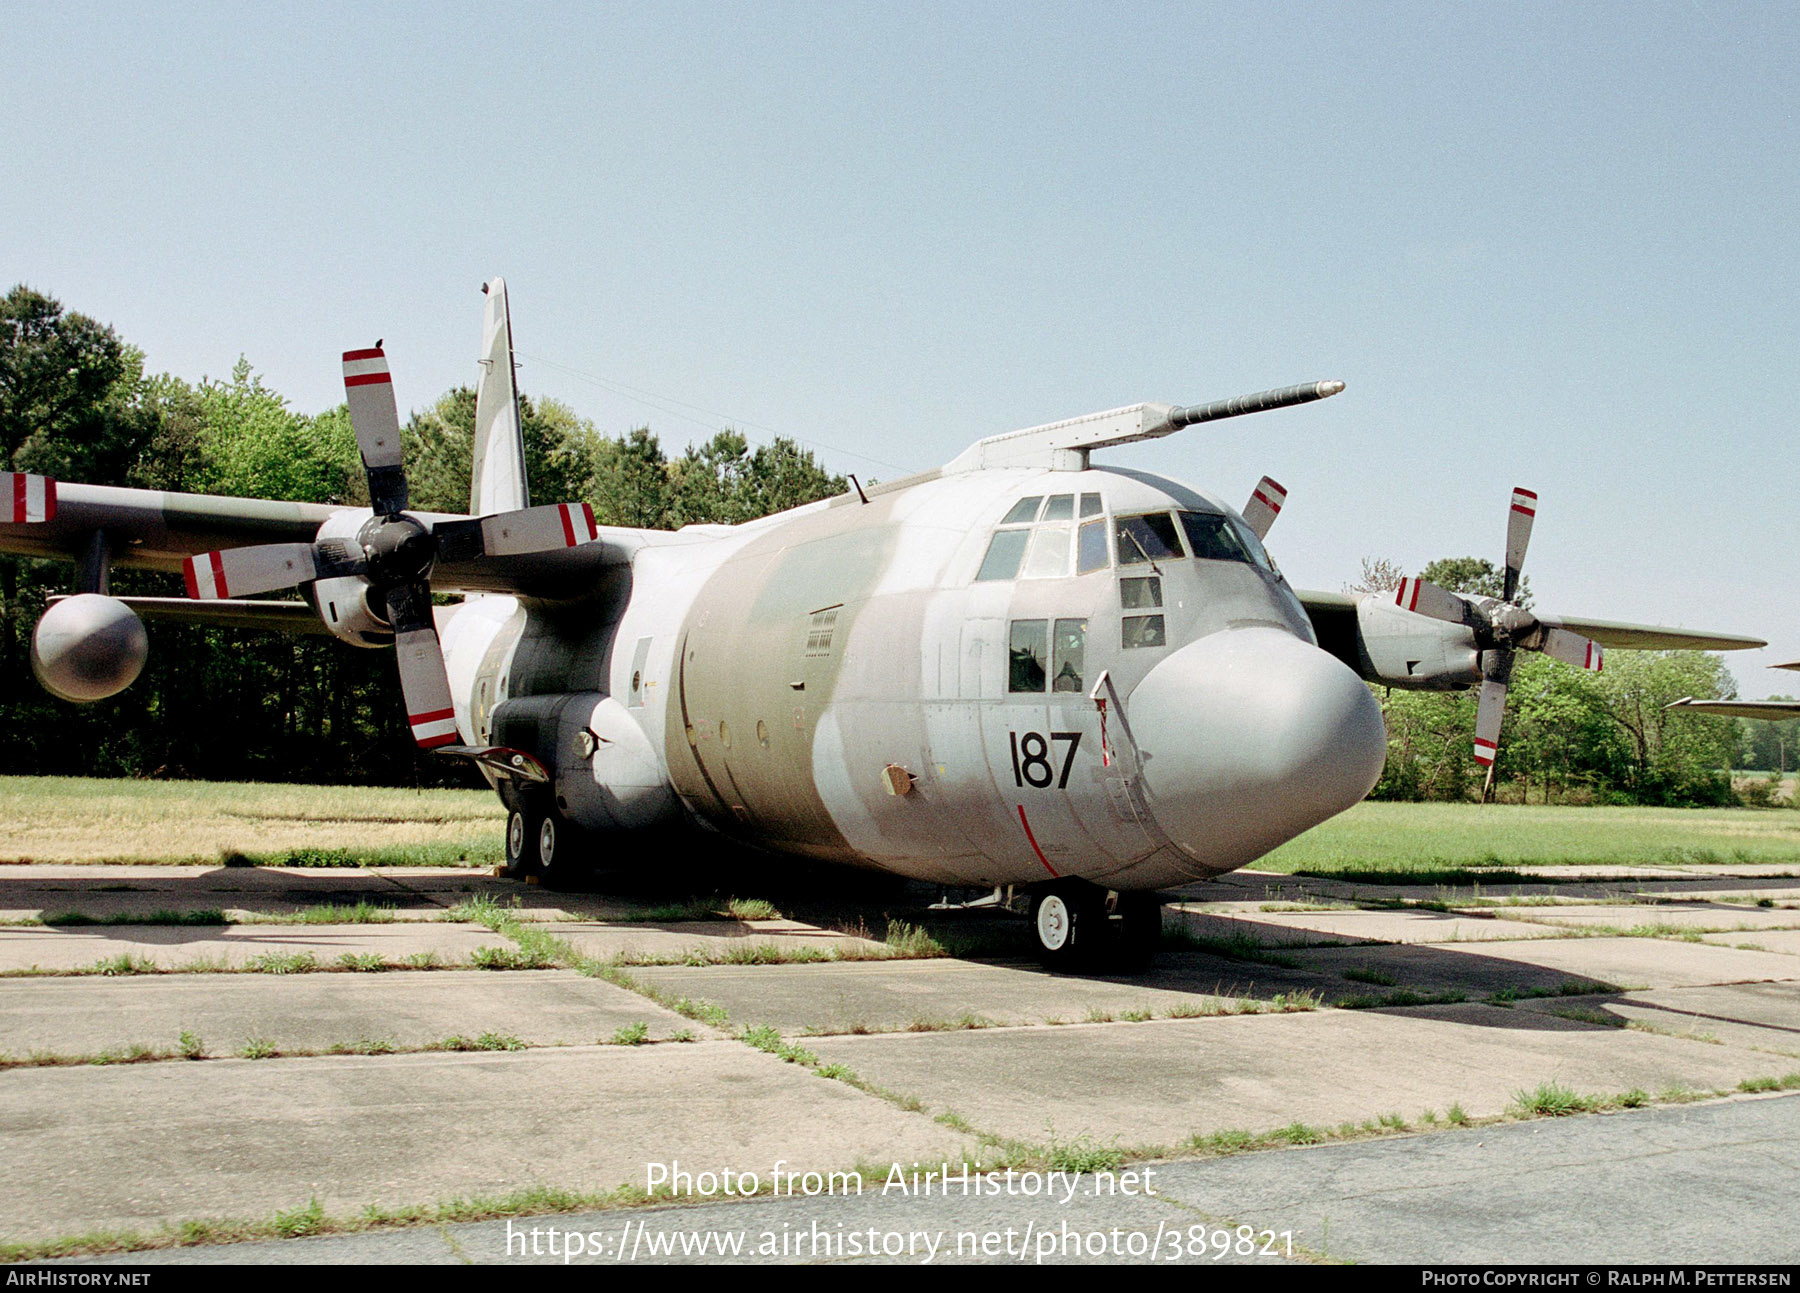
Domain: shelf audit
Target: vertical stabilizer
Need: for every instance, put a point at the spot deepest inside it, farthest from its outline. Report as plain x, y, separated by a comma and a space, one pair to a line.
497, 483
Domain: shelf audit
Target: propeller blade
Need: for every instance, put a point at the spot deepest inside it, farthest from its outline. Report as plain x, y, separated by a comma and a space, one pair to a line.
26, 499
1572, 648
244, 572
508, 534
1424, 598
1791, 664
369, 389
1264, 505
1490, 713
1518, 537
429, 708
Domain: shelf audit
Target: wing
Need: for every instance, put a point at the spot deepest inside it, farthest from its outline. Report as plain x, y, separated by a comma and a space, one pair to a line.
151, 529
278, 617
1651, 637
1774, 710
1333, 618
1335, 613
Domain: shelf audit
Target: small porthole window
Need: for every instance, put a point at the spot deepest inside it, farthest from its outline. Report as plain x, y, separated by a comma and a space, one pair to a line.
762, 734
724, 735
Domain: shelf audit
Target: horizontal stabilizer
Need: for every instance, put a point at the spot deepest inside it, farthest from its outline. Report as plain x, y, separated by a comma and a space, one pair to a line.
1774, 710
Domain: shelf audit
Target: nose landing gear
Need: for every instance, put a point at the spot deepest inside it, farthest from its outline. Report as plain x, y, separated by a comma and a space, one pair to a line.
1080, 925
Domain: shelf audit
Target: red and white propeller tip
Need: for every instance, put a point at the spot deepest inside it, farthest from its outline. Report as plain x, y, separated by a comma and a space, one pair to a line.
26, 499
369, 390
1264, 506
244, 572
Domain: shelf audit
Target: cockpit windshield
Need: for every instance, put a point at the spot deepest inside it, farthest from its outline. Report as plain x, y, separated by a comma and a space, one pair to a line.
1215, 538
1150, 537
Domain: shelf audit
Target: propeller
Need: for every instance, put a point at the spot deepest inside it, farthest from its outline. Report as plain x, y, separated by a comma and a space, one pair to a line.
26, 499
394, 552
1264, 505
1502, 627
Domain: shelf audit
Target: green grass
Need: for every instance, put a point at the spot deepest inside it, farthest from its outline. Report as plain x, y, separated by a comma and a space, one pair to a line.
1418, 843
91, 819
485, 1042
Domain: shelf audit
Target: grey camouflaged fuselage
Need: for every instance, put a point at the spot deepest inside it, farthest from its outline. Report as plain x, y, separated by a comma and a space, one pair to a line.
776, 672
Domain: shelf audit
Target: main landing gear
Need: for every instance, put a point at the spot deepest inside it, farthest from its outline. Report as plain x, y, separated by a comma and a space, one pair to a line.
540, 841
1081, 925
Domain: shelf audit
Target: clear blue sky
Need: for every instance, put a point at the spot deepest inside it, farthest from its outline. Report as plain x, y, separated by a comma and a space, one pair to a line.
1549, 245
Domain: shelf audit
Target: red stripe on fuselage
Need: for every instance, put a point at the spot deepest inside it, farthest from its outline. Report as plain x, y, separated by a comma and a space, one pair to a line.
1034, 844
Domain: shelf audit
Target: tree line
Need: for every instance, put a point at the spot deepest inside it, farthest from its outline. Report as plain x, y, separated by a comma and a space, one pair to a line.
76, 403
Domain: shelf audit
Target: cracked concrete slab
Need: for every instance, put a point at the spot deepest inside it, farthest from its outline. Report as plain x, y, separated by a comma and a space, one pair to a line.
1396, 926
1764, 1016
885, 996
312, 1012
141, 1146
1639, 962
170, 947
1157, 1083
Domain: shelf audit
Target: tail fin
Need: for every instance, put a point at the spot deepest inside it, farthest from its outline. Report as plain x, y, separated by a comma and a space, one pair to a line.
497, 483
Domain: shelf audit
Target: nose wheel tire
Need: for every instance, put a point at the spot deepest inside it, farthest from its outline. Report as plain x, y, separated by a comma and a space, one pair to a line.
1070, 923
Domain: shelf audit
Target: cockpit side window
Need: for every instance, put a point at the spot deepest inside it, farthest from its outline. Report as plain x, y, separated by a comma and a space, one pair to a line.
1023, 512
1028, 655
1150, 537
1069, 655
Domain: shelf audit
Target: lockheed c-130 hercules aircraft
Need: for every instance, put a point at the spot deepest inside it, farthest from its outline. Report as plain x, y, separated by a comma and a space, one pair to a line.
1020, 669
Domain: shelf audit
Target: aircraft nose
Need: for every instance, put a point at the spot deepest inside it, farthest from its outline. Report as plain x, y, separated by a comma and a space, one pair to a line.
1249, 737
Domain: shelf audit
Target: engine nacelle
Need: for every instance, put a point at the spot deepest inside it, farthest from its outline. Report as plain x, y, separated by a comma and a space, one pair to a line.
88, 647
345, 606
1401, 649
